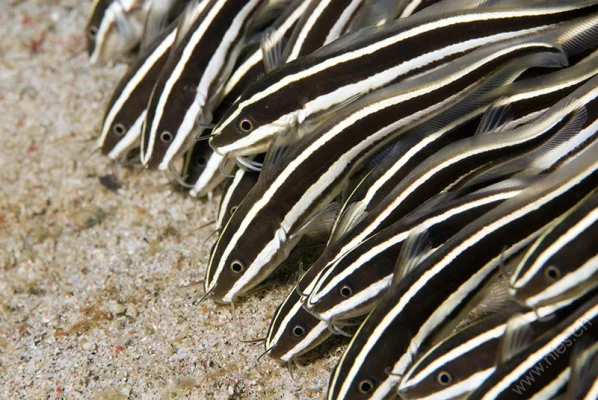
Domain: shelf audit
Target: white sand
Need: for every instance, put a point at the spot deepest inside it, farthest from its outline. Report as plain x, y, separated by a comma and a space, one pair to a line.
87, 307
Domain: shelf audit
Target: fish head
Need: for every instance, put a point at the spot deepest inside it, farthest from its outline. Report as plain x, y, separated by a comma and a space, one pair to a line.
115, 29
293, 331
170, 128
347, 289
261, 112
448, 372
94, 20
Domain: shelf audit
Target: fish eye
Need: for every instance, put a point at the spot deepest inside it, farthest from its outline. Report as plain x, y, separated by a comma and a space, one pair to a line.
245, 125
166, 137
298, 331
200, 161
233, 209
444, 378
552, 273
236, 267
119, 129
92, 32
366, 386
346, 291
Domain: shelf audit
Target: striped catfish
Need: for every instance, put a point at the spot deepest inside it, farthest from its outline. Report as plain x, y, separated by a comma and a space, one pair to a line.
197, 170
542, 370
583, 384
425, 305
563, 262
285, 202
209, 39
286, 343
354, 284
525, 98
312, 86
114, 27
121, 128
461, 362
293, 331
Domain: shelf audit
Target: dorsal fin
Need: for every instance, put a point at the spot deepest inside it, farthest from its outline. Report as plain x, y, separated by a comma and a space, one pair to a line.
282, 149
415, 249
540, 159
495, 295
518, 336
319, 223
156, 21
272, 48
352, 215
499, 115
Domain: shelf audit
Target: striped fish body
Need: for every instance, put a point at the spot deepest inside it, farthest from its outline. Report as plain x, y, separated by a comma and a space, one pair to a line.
354, 284
323, 21
563, 262
114, 28
425, 305
464, 157
121, 128
198, 65
312, 85
460, 363
524, 98
293, 331
260, 236
542, 371
234, 192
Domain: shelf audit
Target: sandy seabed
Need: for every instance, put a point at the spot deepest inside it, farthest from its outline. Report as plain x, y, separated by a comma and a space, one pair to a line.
97, 287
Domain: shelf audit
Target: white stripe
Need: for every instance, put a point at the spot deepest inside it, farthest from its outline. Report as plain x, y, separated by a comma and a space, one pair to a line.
227, 195
572, 280
306, 342
550, 390
306, 28
344, 19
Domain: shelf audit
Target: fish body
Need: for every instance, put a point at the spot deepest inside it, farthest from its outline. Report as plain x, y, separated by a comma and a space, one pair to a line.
310, 87
354, 284
114, 27
426, 302
524, 98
